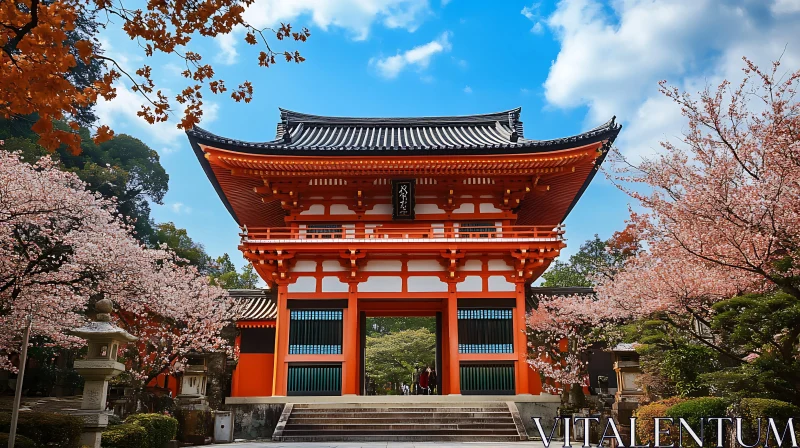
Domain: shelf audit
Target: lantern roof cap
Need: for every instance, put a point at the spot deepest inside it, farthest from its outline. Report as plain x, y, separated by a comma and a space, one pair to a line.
98, 330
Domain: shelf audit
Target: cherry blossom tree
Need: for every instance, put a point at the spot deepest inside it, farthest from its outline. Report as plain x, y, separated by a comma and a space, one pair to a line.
722, 215
561, 328
62, 247
725, 198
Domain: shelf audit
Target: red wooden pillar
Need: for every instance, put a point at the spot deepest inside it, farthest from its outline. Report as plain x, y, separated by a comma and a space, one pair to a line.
281, 344
521, 341
350, 368
453, 365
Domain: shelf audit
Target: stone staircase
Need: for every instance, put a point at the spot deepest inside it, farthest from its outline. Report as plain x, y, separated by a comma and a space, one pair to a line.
400, 422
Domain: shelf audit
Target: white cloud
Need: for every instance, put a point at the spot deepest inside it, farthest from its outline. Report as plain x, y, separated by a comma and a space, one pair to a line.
120, 115
786, 6
227, 48
532, 13
461, 63
525, 91
611, 60
180, 207
468, 89
355, 16
419, 57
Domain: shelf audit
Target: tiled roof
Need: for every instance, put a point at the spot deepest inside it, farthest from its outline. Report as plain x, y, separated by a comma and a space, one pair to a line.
469, 134
254, 304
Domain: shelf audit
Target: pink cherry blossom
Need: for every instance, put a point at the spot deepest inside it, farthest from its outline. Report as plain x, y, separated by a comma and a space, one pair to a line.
62, 246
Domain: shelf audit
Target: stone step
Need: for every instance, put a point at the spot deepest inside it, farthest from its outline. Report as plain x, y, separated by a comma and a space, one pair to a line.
398, 412
401, 438
456, 404
408, 432
386, 422
377, 421
393, 427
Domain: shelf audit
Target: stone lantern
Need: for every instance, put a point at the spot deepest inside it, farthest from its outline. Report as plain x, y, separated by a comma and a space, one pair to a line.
626, 366
103, 339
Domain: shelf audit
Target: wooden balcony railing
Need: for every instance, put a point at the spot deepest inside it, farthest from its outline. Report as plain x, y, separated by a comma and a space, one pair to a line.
384, 232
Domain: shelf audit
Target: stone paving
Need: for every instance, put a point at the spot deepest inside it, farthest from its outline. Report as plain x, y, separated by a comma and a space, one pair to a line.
387, 445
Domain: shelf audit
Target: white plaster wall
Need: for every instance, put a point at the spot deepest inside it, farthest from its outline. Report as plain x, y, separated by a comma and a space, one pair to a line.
333, 284
381, 284
424, 265
471, 283
383, 265
332, 266
380, 209
426, 284
305, 266
427, 209
499, 265
315, 209
465, 208
472, 265
304, 284
498, 283
341, 209
489, 208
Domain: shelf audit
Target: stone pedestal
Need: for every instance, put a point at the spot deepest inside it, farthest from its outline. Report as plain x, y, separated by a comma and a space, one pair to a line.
104, 340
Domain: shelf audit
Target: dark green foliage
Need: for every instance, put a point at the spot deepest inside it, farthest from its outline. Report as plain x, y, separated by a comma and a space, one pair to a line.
19, 442
765, 377
223, 273
595, 258
391, 358
695, 410
766, 325
673, 362
751, 409
56, 430
124, 436
179, 241
385, 325
160, 428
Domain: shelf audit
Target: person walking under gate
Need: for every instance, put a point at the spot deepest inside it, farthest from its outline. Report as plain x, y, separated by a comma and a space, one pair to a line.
433, 386
415, 381
423, 381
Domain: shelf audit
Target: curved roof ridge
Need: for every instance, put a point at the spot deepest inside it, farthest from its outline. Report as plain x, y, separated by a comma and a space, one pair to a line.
511, 115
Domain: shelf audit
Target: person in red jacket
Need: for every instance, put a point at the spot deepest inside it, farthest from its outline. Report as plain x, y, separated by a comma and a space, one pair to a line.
423, 380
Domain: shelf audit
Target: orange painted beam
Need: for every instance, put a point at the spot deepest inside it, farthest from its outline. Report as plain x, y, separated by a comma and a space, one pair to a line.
350, 370
453, 367
280, 370
521, 341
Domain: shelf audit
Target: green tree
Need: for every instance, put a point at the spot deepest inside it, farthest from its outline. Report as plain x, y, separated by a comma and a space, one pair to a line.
595, 258
764, 331
223, 274
179, 241
386, 325
391, 358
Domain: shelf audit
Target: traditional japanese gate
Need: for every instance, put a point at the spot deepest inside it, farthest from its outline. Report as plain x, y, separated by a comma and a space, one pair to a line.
438, 216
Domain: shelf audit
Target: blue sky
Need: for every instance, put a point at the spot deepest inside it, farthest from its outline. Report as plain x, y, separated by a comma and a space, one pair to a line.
569, 64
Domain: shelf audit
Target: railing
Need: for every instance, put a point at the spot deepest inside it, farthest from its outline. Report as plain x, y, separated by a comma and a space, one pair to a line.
384, 231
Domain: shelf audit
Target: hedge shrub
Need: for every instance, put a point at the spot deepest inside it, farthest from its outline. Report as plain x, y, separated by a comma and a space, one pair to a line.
160, 428
46, 429
127, 435
20, 442
696, 409
645, 424
751, 409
